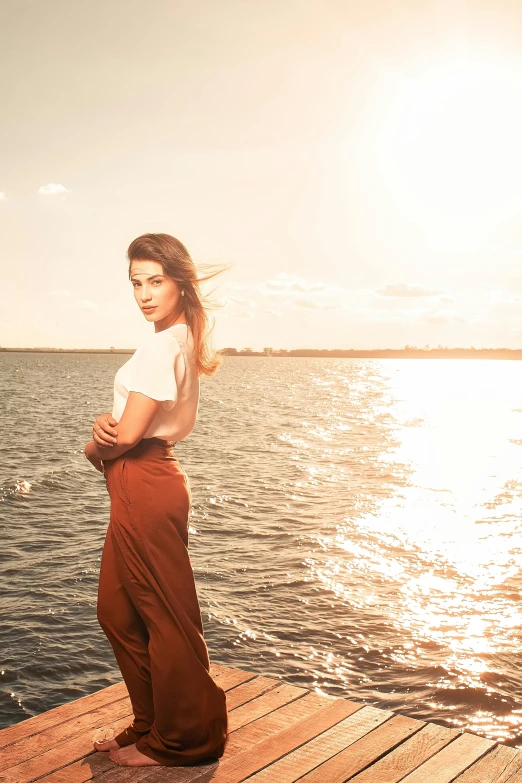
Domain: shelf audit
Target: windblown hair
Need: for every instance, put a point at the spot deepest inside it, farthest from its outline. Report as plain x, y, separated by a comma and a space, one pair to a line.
179, 266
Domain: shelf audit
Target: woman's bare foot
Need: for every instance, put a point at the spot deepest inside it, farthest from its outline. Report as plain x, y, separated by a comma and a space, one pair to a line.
131, 757
106, 745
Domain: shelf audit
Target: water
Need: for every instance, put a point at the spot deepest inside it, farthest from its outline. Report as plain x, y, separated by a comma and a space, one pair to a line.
356, 530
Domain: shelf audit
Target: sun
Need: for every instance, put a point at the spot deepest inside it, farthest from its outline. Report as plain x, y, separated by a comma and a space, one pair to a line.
443, 142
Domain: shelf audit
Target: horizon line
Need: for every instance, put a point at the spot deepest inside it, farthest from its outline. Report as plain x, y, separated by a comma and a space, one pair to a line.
230, 351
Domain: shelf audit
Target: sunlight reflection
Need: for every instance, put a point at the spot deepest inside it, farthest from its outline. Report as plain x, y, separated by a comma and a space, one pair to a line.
449, 539
462, 451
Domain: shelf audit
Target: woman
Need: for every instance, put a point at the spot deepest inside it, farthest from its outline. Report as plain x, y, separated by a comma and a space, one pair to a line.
147, 603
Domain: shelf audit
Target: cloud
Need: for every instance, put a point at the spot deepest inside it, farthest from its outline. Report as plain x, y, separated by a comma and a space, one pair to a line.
51, 189
442, 317
313, 304
3, 195
288, 284
514, 283
241, 301
88, 305
302, 293
293, 292
405, 289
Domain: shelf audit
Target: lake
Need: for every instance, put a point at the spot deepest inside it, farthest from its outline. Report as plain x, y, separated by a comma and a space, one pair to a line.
355, 530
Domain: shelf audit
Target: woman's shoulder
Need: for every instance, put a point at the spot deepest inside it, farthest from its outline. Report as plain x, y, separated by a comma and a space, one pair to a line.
158, 346
178, 337
180, 332
171, 336
166, 347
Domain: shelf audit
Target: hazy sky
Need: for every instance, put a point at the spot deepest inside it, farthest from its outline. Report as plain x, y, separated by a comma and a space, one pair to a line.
358, 164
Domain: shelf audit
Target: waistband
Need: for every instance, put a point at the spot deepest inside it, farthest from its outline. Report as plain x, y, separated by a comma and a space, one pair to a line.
148, 448
151, 444
160, 441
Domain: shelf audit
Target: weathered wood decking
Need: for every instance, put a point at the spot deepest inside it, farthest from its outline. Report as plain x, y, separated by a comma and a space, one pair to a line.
278, 734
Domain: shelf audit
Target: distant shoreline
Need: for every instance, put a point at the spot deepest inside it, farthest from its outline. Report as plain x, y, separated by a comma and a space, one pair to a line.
336, 353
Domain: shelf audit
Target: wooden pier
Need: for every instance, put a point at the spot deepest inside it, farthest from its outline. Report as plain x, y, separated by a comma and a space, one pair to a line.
278, 734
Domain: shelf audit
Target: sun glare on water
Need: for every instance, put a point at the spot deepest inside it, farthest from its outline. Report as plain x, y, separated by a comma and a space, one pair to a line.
437, 559
461, 436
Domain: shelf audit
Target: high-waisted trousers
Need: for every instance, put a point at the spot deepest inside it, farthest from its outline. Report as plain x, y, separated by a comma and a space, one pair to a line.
148, 609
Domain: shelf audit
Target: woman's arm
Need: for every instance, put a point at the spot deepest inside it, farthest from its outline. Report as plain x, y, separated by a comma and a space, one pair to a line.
134, 423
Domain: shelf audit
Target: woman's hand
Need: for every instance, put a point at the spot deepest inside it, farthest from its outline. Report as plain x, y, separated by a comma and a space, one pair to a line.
96, 461
103, 432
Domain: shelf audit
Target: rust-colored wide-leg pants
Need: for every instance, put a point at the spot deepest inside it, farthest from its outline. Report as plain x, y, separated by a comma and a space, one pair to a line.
149, 611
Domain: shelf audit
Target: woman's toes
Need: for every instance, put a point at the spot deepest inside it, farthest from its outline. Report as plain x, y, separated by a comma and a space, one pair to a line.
106, 745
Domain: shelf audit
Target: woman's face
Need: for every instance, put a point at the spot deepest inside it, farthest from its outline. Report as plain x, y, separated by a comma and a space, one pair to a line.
154, 290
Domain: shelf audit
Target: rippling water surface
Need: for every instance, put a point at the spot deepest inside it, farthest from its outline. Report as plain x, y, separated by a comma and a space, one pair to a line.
355, 529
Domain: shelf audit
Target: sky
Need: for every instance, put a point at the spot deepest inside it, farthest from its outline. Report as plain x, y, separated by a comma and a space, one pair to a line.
357, 165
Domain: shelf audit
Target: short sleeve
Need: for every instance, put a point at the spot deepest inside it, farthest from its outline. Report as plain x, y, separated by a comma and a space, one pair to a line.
158, 369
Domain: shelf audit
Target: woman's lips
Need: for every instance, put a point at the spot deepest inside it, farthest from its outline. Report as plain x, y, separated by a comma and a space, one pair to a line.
148, 309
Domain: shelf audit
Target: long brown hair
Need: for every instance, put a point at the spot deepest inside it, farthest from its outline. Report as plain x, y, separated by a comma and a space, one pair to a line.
179, 266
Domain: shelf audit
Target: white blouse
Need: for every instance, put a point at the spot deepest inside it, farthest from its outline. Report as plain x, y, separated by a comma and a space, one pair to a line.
161, 368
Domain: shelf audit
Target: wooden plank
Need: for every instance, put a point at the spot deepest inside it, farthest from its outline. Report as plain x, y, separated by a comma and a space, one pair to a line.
451, 760
36, 744
408, 755
79, 748
517, 777
365, 751
91, 763
241, 766
112, 693
250, 690
258, 708
274, 721
288, 715
72, 740
322, 747
155, 774
499, 765
228, 677
64, 712
254, 741
170, 775
278, 734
